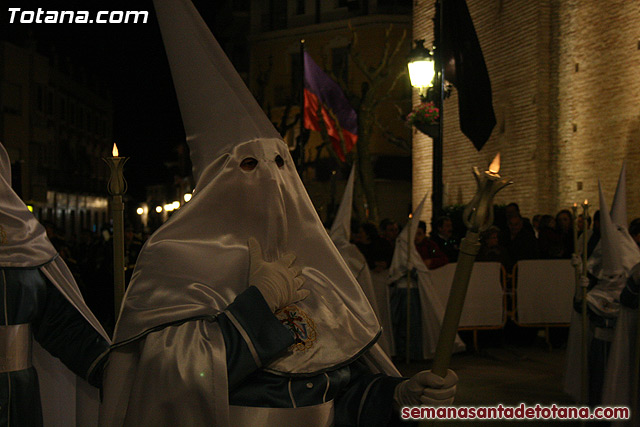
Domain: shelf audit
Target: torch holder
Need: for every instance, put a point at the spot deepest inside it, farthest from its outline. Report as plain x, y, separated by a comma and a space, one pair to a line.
478, 216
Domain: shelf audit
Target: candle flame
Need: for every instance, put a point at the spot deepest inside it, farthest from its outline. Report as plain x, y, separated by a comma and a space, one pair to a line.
575, 205
115, 150
494, 167
586, 202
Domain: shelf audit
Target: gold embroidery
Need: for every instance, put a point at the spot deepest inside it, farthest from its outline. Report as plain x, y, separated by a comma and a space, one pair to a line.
300, 324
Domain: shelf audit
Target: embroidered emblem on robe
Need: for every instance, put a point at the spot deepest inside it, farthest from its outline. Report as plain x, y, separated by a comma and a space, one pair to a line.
298, 322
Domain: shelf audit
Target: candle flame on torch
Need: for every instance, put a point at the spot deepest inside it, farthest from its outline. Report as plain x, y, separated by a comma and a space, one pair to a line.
115, 150
494, 167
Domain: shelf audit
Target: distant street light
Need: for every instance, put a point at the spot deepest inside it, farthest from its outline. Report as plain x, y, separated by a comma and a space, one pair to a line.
158, 209
139, 211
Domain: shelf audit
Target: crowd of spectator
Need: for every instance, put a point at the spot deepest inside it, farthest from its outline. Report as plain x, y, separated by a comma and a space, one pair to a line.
510, 239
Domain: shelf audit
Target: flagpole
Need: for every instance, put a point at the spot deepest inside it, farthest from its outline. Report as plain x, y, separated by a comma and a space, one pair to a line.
300, 159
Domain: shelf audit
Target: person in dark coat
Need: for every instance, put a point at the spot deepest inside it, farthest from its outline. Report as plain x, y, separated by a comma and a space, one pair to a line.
519, 243
442, 235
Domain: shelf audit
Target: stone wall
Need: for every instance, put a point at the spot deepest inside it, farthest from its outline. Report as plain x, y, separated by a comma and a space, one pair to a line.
565, 78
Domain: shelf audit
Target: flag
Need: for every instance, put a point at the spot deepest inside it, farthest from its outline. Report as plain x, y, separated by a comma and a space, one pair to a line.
321, 90
466, 70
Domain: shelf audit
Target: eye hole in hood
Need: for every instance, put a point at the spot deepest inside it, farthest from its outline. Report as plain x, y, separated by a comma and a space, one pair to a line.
279, 161
249, 164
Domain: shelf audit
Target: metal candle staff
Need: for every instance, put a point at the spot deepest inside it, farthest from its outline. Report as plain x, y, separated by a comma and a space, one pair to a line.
585, 321
574, 209
117, 187
410, 242
478, 216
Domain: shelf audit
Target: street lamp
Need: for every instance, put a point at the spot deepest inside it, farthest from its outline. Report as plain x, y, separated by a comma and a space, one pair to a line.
421, 68
422, 73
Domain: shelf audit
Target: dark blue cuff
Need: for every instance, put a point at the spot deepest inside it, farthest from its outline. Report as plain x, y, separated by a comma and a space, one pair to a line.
261, 328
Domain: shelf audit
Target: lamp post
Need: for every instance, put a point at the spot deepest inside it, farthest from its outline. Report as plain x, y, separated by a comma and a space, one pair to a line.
423, 75
117, 187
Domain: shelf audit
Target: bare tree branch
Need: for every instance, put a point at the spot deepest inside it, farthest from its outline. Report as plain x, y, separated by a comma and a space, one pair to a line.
402, 143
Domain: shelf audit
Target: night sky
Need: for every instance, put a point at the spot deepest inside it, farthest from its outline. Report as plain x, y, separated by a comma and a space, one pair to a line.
131, 59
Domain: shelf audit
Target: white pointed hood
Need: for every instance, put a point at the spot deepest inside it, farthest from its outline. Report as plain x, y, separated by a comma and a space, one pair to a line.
341, 228
619, 206
401, 262
610, 240
619, 255
24, 244
218, 111
198, 262
626, 247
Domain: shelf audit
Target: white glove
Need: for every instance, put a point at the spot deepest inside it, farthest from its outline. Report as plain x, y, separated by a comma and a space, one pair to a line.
278, 282
576, 261
426, 388
584, 282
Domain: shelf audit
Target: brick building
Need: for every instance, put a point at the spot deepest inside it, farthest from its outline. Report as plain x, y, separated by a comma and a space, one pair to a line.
565, 77
55, 122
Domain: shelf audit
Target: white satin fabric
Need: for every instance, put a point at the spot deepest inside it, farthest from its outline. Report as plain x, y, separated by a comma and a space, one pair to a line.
611, 262
67, 400
24, 243
198, 261
619, 255
618, 379
192, 387
341, 228
340, 234
378, 298
218, 111
176, 376
23, 240
572, 381
380, 280
405, 257
433, 310
405, 254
